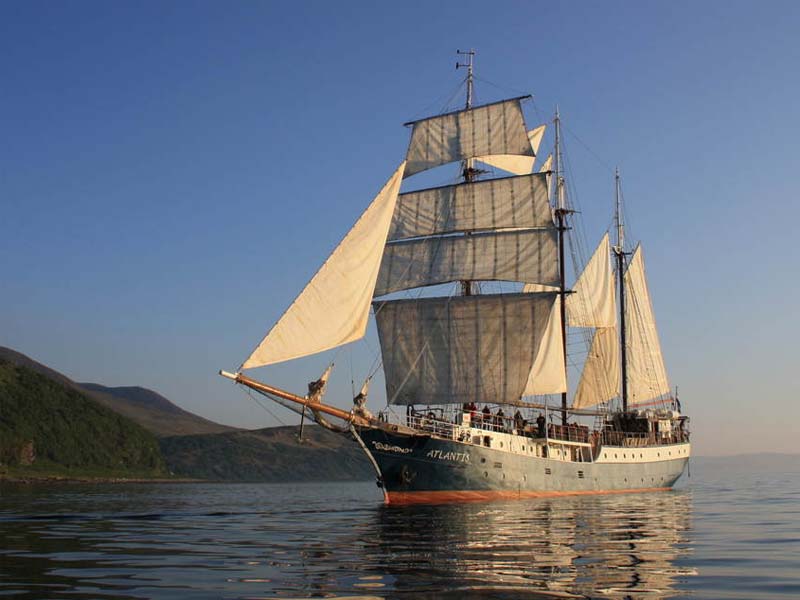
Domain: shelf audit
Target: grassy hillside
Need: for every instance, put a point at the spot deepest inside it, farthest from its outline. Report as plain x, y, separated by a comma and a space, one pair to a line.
48, 427
148, 408
272, 454
151, 410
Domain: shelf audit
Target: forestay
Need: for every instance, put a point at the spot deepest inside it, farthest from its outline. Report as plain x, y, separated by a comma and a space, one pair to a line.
333, 309
600, 378
647, 376
497, 128
526, 256
507, 202
592, 303
462, 348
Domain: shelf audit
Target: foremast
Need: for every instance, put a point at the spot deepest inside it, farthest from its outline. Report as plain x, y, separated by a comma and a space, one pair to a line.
468, 171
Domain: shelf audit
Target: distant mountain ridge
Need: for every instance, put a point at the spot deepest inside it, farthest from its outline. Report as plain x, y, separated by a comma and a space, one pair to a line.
146, 407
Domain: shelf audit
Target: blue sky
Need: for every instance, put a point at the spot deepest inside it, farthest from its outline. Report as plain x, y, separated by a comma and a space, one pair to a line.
171, 174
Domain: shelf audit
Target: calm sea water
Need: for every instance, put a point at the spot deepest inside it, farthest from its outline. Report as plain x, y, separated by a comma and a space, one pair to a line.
726, 532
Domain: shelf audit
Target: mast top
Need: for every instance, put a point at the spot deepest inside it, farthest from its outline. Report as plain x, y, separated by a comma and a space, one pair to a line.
468, 65
620, 247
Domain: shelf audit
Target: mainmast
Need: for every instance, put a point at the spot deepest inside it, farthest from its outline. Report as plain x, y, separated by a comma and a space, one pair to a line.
619, 250
468, 171
561, 216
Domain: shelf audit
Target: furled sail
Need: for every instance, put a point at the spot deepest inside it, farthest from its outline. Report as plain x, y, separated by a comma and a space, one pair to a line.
647, 376
462, 348
600, 379
497, 128
548, 374
592, 303
507, 202
519, 165
333, 308
527, 256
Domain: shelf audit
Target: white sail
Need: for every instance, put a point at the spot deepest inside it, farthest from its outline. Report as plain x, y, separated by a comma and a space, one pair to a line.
547, 165
507, 202
526, 256
600, 379
333, 308
462, 348
647, 376
519, 165
497, 128
548, 374
592, 303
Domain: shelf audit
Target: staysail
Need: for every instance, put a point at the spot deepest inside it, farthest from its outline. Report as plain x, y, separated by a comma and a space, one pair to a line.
519, 165
592, 303
647, 376
548, 374
497, 128
333, 308
600, 379
462, 348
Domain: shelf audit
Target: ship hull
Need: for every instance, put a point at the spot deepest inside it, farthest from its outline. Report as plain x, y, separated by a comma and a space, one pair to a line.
423, 468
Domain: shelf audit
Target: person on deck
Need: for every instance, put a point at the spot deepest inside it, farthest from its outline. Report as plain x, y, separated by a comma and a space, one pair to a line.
487, 416
540, 424
500, 418
519, 422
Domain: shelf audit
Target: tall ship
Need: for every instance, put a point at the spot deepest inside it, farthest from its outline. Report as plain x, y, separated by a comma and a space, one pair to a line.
468, 286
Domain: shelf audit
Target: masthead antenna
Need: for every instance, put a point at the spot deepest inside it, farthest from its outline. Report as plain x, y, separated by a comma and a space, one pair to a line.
470, 54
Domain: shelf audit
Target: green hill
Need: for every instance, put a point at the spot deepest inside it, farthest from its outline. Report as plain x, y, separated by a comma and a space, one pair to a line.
151, 410
148, 408
271, 454
49, 428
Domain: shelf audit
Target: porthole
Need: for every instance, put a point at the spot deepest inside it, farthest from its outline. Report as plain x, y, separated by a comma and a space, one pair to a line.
615, 455
523, 448
501, 444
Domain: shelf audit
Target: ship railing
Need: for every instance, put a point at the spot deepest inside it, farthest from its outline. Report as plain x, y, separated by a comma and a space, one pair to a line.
642, 439
569, 433
432, 424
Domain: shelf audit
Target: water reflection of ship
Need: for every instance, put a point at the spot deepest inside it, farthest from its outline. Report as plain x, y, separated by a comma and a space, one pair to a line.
581, 546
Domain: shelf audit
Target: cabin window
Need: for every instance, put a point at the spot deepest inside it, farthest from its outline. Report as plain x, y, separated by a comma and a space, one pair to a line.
547, 471
580, 474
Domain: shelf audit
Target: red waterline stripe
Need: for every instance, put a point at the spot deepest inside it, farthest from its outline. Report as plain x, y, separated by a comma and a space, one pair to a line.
441, 497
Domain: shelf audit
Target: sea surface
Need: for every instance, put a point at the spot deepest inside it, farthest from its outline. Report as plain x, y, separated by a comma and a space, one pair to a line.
729, 530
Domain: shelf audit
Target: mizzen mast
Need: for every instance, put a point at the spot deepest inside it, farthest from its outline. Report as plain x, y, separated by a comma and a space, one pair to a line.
619, 250
561, 213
